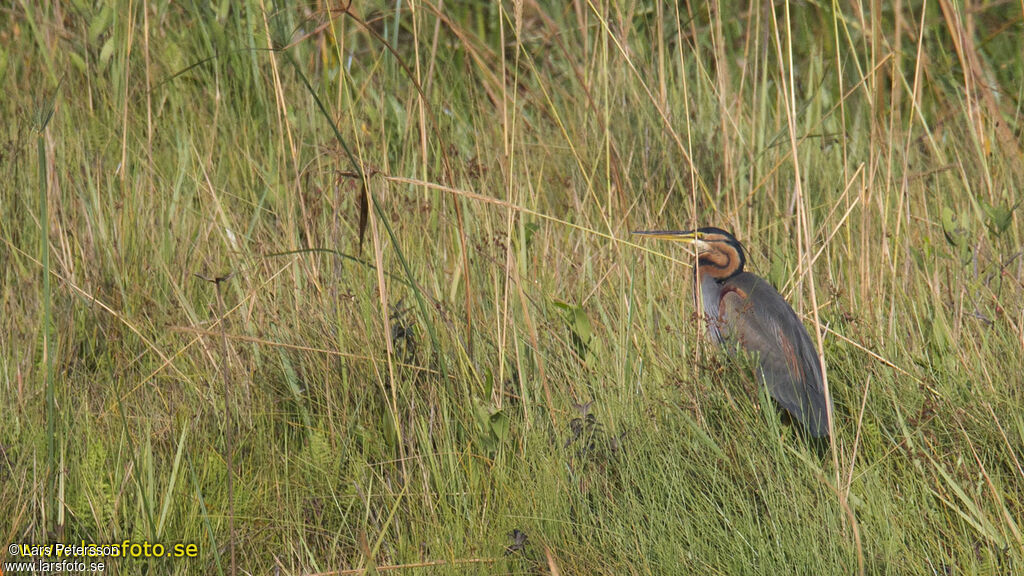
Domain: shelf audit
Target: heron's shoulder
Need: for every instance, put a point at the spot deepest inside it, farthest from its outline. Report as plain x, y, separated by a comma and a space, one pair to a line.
757, 296
753, 286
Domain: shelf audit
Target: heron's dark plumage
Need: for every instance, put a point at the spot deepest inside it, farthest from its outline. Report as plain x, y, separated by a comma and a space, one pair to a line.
743, 309
758, 319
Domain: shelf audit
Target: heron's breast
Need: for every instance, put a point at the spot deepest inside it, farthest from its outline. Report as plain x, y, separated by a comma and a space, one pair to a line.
711, 293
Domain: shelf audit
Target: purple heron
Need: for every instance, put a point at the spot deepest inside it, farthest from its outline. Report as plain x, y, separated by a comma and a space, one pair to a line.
745, 310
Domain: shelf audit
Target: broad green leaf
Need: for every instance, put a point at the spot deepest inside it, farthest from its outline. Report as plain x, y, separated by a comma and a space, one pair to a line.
955, 232
499, 425
76, 61
99, 23
998, 216
106, 52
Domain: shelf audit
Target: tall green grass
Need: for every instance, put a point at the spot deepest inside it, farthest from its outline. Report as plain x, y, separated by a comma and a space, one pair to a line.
433, 347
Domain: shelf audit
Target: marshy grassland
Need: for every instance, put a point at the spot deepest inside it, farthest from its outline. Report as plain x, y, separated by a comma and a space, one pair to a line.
330, 289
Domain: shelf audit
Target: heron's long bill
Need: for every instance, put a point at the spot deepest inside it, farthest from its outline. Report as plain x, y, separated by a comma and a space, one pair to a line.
688, 236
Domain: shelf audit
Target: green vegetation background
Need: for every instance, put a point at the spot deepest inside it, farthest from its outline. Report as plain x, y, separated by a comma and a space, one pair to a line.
352, 291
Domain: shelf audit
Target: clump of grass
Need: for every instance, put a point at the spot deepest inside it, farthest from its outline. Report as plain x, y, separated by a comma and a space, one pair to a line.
443, 352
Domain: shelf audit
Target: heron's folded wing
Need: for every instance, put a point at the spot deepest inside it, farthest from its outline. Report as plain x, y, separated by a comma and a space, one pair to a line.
761, 321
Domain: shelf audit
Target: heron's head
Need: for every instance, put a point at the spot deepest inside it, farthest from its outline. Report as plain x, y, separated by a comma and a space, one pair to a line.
719, 254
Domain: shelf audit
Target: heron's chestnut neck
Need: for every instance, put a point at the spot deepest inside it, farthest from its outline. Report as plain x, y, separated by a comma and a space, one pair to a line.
721, 261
